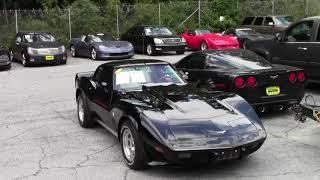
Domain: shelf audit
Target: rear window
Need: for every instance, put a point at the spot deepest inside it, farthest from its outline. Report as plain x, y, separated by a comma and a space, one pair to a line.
258, 21
238, 59
247, 21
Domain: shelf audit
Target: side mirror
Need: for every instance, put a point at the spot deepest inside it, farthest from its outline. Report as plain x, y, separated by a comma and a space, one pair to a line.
279, 36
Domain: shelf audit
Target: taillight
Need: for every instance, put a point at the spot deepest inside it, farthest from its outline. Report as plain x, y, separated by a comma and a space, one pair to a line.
301, 76
292, 77
239, 82
251, 81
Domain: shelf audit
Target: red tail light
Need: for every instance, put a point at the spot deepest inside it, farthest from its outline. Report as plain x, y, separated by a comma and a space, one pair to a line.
301, 76
251, 81
239, 82
292, 77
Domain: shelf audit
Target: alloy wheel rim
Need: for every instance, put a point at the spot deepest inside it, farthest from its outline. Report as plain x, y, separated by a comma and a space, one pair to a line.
80, 110
73, 51
149, 49
203, 46
11, 55
128, 144
23, 59
93, 54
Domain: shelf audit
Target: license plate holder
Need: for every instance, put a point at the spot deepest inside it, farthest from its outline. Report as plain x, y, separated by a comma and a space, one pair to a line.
49, 58
273, 90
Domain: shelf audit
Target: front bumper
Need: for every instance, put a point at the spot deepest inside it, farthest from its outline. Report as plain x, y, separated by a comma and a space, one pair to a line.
169, 47
115, 55
42, 59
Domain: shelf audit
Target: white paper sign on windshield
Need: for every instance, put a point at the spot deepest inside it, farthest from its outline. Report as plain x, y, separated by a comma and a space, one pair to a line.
130, 77
137, 76
122, 78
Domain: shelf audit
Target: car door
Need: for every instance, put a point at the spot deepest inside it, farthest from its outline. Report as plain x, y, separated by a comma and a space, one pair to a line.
294, 47
268, 26
313, 65
192, 39
16, 49
79, 45
257, 24
102, 94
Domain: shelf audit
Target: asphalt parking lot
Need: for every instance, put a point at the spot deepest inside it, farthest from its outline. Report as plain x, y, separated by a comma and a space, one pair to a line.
40, 137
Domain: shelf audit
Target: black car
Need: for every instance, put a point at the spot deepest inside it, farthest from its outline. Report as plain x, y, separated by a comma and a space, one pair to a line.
245, 35
158, 117
262, 84
101, 46
38, 48
5, 61
298, 45
154, 40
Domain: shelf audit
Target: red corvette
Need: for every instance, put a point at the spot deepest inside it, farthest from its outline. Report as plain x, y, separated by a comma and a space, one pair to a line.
204, 39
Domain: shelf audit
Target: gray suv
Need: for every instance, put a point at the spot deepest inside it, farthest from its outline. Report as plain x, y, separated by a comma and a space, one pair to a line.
267, 24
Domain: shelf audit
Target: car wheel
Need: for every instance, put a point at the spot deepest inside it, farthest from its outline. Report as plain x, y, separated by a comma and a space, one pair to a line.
132, 147
93, 54
84, 118
203, 45
73, 51
9, 67
24, 60
150, 50
63, 62
180, 52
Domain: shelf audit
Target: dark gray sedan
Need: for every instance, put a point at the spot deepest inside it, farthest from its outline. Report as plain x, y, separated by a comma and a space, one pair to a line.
5, 61
101, 46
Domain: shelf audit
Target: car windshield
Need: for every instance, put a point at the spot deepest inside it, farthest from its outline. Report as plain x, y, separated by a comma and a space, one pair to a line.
202, 31
151, 31
134, 77
284, 20
101, 37
39, 37
238, 59
245, 32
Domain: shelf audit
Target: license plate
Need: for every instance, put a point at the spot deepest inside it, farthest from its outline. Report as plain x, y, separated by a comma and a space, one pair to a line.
274, 90
49, 58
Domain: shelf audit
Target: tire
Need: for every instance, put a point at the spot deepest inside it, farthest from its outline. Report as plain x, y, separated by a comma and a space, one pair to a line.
203, 46
9, 67
25, 61
83, 112
73, 51
180, 52
93, 54
135, 157
150, 50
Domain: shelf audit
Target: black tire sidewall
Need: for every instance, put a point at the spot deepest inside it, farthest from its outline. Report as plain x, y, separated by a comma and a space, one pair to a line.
87, 121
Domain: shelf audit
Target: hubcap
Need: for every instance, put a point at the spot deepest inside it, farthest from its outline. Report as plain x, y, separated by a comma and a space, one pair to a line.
93, 54
73, 51
149, 49
128, 144
203, 46
80, 110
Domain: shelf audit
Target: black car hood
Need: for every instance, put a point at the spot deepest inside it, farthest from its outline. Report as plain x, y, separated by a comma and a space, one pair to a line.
114, 43
45, 44
184, 115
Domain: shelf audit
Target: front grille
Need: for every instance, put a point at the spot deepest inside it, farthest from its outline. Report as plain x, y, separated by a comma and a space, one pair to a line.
119, 54
171, 40
48, 51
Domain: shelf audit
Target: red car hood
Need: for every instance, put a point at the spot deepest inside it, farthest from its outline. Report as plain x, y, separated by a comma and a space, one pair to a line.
219, 39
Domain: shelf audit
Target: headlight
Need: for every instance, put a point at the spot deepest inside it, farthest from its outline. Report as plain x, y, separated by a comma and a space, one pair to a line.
102, 47
157, 41
32, 50
130, 45
183, 40
4, 57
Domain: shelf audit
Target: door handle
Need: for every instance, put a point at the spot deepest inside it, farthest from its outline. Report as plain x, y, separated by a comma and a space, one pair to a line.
302, 48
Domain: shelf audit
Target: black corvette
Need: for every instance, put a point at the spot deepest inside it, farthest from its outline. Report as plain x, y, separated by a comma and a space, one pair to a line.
158, 117
154, 40
5, 61
246, 35
262, 84
101, 46
38, 48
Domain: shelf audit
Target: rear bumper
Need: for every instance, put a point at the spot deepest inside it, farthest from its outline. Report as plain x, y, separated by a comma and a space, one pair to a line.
165, 48
58, 58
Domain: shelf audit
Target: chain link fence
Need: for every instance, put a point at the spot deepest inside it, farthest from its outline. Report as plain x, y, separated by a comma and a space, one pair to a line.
117, 19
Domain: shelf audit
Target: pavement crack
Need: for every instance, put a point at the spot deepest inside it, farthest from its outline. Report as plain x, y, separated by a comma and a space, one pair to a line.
26, 131
126, 174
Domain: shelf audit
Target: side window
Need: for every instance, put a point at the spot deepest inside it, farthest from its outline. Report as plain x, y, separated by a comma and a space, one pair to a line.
247, 21
268, 21
300, 32
184, 63
18, 39
82, 38
197, 61
98, 74
87, 39
258, 21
